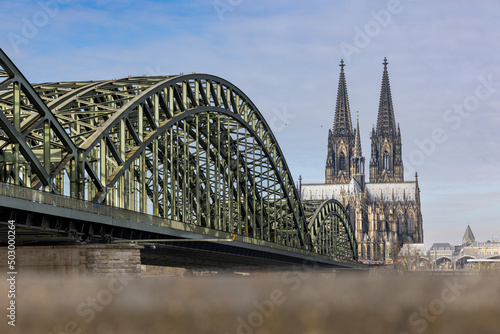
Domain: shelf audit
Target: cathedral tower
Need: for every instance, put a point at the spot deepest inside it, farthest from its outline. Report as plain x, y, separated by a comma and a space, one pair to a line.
385, 211
357, 159
341, 139
386, 163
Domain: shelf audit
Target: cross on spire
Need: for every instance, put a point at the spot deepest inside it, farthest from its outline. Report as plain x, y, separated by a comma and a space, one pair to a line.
385, 63
342, 65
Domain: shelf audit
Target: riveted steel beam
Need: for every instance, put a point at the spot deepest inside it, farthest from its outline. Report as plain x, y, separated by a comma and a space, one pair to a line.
193, 148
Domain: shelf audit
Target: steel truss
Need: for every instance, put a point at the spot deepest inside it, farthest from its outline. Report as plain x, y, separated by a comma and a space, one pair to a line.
332, 233
191, 148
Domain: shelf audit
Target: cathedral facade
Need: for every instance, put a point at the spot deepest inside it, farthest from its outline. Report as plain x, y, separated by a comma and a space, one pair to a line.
386, 211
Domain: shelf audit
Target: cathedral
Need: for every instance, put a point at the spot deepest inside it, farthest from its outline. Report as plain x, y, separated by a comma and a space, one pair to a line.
386, 211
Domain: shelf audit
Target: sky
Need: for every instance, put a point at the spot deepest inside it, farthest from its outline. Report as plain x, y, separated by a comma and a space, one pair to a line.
443, 67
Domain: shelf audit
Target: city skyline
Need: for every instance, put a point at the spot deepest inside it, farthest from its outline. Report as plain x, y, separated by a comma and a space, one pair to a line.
445, 83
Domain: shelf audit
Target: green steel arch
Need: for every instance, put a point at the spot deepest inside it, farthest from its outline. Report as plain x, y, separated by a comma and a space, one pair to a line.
170, 141
331, 231
31, 135
192, 148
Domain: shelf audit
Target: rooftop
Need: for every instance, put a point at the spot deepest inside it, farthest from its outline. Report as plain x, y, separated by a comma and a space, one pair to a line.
385, 191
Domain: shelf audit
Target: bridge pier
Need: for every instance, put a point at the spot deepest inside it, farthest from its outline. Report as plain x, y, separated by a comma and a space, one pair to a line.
75, 260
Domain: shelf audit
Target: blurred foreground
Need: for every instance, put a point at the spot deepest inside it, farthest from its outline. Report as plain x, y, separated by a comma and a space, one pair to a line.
285, 302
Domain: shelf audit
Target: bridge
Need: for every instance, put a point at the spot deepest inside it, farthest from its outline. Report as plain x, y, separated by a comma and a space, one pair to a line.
462, 261
185, 165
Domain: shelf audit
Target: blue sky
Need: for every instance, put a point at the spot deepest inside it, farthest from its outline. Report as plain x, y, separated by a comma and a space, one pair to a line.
443, 69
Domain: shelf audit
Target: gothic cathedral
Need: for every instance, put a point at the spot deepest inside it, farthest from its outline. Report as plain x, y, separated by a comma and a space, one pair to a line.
386, 211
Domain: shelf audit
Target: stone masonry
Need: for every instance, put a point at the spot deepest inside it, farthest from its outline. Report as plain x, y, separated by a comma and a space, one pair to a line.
87, 260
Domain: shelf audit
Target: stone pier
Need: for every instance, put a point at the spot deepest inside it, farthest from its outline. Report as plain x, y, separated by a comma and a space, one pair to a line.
87, 260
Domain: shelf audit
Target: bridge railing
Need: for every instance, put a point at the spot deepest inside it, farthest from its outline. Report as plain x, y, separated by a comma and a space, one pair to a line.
42, 197
61, 201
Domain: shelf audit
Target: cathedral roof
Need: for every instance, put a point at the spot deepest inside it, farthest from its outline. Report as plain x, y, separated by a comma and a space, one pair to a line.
400, 190
354, 187
468, 236
386, 125
384, 191
323, 191
342, 125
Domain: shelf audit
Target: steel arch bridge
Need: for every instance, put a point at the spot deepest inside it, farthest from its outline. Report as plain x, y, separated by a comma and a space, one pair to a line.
331, 231
190, 148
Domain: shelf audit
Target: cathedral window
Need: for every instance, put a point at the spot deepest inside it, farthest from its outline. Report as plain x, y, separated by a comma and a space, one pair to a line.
342, 161
386, 160
411, 224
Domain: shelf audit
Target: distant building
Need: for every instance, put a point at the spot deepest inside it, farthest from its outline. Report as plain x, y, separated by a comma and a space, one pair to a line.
440, 251
468, 236
445, 256
488, 249
386, 211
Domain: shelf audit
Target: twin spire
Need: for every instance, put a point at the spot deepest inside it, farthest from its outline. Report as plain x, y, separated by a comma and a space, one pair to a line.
345, 159
385, 121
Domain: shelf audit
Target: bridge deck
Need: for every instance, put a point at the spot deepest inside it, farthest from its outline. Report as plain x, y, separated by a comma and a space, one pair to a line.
43, 217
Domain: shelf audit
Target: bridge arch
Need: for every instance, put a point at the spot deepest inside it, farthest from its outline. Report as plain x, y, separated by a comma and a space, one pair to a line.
124, 128
331, 231
30, 133
461, 262
444, 262
192, 148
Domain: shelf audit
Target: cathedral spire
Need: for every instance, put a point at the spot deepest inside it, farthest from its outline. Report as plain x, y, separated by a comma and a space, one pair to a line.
357, 140
357, 160
342, 125
386, 124
341, 138
386, 163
